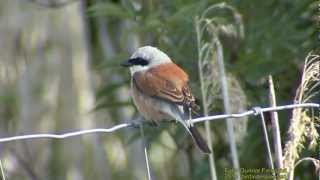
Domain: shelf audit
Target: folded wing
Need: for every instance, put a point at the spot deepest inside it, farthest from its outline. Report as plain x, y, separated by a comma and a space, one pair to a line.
168, 82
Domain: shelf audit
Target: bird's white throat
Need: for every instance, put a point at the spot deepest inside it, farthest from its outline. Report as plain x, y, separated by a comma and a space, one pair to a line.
151, 54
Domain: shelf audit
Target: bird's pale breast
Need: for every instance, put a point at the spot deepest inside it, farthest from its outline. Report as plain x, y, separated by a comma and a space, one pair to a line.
149, 107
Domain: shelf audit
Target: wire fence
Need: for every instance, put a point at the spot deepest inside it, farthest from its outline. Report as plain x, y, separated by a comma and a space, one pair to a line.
254, 111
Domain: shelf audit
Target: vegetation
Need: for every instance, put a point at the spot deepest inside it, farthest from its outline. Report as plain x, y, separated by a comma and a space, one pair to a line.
59, 71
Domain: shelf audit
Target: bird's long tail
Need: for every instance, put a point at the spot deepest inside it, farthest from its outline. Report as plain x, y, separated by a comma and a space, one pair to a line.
192, 130
196, 136
198, 139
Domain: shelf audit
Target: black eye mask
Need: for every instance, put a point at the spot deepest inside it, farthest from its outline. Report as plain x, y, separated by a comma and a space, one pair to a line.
139, 61
135, 61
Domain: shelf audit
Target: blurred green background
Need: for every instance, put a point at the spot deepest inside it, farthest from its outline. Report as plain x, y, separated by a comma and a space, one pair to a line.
59, 72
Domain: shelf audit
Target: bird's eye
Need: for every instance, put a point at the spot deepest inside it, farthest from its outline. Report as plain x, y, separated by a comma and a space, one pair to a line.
139, 61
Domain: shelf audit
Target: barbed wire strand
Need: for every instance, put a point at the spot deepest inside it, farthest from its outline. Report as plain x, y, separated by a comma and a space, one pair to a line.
253, 111
2, 171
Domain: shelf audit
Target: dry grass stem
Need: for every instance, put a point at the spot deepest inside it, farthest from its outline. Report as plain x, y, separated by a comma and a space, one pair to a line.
211, 67
303, 123
275, 126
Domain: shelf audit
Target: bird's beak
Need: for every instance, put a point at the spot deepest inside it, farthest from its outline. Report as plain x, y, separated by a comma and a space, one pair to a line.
126, 63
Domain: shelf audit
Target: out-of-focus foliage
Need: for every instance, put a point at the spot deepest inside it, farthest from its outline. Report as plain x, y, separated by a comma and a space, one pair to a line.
278, 35
59, 71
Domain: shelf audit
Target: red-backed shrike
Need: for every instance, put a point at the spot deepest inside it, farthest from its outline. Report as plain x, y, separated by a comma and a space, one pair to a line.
160, 90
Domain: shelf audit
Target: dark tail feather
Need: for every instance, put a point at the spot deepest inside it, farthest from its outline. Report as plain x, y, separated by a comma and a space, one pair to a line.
199, 140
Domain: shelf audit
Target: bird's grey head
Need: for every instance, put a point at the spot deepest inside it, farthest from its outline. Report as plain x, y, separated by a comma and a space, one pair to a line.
144, 58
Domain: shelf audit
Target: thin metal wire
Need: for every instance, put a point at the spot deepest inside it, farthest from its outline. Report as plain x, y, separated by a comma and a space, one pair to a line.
145, 151
265, 132
252, 112
124, 125
2, 171
66, 135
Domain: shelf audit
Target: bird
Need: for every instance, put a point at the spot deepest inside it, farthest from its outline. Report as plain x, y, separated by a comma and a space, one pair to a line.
160, 91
